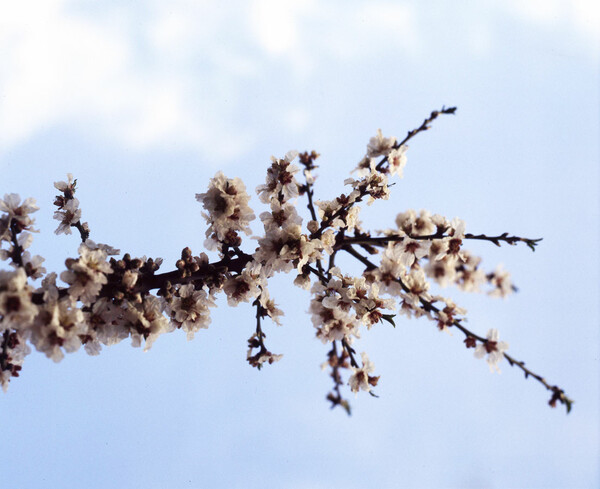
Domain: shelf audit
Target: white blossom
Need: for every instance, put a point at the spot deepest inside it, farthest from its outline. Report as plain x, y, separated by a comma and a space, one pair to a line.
360, 379
86, 275
68, 215
245, 286
189, 309
14, 349
380, 146
397, 160
280, 216
16, 309
106, 301
500, 279
11, 204
281, 183
58, 327
146, 321
410, 250
226, 203
270, 307
493, 348
63, 186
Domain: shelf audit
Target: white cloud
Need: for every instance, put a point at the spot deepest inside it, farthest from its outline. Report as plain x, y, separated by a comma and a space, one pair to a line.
275, 24
137, 86
581, 16
177, 73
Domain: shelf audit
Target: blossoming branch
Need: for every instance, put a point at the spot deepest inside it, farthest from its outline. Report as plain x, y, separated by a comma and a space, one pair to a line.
102, 300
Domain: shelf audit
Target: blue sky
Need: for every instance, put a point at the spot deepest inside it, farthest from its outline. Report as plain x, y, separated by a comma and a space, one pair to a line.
145, 101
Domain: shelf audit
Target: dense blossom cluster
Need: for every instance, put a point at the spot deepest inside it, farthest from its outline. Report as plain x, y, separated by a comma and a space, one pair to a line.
103, 300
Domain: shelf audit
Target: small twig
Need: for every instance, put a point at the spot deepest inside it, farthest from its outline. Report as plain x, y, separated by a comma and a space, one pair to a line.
440, 234
558, 394
83, 232
336, 362
351, 351
423, 127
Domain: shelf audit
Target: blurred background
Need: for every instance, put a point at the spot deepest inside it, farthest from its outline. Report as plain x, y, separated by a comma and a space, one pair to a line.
145, 101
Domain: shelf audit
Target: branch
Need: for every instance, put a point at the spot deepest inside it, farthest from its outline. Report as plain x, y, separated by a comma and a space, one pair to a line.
440, 234
423, 127
558, 394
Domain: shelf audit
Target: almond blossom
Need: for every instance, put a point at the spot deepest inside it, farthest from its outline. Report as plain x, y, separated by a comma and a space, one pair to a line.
86, 275
493, 348
281, 184
101, 301
17, 211
360, 379
226, 203
379, 145
189, 309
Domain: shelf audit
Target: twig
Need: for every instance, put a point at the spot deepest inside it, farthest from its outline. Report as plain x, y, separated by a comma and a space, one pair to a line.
558, 394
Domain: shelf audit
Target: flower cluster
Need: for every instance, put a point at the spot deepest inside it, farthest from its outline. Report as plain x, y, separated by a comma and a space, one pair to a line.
341, 305
102, 299
226, 203
68, 213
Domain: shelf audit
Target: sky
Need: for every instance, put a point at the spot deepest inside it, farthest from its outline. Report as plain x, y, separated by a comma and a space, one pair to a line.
145, 101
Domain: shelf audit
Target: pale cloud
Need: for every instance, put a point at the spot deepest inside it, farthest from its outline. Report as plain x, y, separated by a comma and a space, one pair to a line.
52, 65
275, 24
135, 86
175, 73
580, 16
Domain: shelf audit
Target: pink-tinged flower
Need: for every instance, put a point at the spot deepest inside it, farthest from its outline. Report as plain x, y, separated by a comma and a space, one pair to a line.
366, 301
25, 239
469, 277
454, 241
270, 307
303, 281
11, 204
493, 348
360, 379
146, 321
446, 316
107, 325
63, 186
410, 250
397, 160
389, 271
245, 286
58, 329
281, 216
417, 285
327, 241
13, 350
16, 309
86, 275
375, 185
422, 225
500, 279
109, 250
281, 184
285, 248
442, 271
263, 356
189, 309
343, 205
33, 265
332, 312
68, 215
226, 203
380, 146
